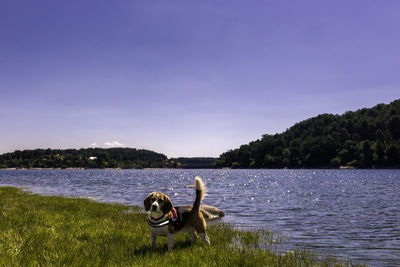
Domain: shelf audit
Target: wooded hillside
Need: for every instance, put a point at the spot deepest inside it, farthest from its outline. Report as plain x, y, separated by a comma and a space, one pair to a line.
366, 138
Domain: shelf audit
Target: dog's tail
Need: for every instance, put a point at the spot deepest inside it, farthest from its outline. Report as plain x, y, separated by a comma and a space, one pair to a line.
200, 188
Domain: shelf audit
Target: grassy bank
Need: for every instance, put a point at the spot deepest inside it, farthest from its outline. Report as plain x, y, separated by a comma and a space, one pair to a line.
43, 230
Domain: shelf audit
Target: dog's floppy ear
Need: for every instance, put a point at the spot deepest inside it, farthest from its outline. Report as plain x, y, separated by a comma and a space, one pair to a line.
167, 207
147, 202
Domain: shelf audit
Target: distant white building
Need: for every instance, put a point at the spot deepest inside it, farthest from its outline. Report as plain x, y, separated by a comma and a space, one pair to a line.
92, 158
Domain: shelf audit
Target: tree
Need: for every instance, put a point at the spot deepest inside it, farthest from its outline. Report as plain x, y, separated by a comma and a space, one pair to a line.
393, 155
393, 125
286, 157
344, 156
379, 154
235, 165
269, 161
367, 154
380, 136
335, 162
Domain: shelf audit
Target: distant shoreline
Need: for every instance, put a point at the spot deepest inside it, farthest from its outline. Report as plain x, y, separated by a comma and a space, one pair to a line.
343, 168
98, 158
39, 169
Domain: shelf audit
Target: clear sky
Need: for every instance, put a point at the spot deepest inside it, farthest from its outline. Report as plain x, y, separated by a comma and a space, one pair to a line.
189, 77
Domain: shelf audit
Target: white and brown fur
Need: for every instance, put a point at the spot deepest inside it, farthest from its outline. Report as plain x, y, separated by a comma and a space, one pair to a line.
159, 205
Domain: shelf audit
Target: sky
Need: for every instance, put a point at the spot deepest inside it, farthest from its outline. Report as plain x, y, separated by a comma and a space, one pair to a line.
187, 78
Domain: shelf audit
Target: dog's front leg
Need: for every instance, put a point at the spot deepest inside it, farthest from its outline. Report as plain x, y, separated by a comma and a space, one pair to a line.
153, 238
170, 241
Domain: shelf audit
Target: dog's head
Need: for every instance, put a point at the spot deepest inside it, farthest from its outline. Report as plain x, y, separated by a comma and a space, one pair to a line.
158, 202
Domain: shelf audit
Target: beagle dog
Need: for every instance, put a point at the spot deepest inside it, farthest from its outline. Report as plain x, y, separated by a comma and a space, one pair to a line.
167, 220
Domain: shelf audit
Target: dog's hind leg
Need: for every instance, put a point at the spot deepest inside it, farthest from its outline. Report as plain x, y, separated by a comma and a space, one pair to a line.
201, 228
205, 238
192, 234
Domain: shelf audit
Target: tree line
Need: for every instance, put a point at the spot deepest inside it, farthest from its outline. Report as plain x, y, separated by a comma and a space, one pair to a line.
192, 163
98, 158
366, 138
87, 158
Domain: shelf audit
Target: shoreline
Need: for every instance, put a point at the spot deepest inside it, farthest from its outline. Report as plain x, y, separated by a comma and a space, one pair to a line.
116, 234
342, 168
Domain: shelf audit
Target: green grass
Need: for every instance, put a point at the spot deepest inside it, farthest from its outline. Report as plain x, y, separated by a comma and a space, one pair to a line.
55, 231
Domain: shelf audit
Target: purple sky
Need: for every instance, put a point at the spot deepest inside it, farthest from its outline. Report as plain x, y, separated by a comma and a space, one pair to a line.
187, 78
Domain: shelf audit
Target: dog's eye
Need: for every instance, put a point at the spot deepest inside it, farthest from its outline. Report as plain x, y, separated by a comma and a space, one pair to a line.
161, 200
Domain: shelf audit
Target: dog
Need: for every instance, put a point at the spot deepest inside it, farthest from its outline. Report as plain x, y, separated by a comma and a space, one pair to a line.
167, 220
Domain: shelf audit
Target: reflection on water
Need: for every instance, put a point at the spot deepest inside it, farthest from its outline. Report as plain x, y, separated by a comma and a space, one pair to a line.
354, 214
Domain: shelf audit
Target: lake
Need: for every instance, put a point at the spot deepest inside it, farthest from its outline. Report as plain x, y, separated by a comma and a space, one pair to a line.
350, 214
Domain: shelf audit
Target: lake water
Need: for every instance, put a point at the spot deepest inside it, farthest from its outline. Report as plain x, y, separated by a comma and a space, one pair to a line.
350, 214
